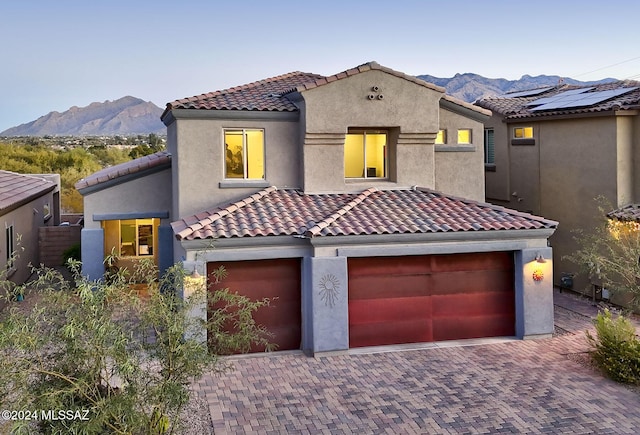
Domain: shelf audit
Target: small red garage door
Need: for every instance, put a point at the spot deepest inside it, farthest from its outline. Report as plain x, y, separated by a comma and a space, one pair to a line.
395, 300
278, 280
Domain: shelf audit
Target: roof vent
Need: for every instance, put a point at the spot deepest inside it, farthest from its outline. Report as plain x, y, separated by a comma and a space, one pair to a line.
274, 95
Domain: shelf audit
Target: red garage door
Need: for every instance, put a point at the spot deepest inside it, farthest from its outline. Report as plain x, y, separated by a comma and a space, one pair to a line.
278, 280
395, 300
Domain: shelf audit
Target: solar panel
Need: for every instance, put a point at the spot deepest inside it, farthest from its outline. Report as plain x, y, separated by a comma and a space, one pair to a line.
559, 96
584, 100
528, 93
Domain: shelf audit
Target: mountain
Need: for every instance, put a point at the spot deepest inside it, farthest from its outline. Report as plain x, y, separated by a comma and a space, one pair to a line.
470, 87
126, 116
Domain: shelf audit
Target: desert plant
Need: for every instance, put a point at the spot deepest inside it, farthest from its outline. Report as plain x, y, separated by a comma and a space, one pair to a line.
616, 349
96, 346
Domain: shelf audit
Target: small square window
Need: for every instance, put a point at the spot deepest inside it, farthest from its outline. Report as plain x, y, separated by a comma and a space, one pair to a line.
464, 136
523, 132
441, 138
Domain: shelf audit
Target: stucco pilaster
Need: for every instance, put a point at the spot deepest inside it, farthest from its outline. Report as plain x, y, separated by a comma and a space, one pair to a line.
325, 298
534, 293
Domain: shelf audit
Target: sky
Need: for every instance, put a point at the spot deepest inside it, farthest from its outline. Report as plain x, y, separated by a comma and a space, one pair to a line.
64, 53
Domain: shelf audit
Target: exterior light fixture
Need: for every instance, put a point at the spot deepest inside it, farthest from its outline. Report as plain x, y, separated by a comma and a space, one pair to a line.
195, 273
540, 258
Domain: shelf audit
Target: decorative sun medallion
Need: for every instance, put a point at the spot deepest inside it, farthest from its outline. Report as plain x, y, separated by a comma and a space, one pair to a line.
329, 289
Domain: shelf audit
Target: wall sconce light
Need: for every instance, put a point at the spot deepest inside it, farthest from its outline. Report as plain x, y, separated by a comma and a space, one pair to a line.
195, 273
540, 258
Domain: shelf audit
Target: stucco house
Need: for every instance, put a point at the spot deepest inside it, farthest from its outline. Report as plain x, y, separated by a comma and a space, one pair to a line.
553, 150
355, 200
27, 202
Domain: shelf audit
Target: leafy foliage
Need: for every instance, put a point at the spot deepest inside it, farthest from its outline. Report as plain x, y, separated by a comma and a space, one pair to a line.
611, 253
98, 345
616, 348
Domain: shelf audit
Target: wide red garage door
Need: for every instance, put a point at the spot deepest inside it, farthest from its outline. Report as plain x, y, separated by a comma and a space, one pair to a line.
413, 299
278, 280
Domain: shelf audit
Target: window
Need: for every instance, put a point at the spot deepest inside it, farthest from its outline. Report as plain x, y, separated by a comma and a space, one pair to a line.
464, 136
46, 211
10, 246
365, 154
523, 133
489, 152
131, 237
441, 138
244, 154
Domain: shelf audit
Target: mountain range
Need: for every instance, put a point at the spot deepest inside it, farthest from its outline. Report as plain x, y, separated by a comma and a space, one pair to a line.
131, 116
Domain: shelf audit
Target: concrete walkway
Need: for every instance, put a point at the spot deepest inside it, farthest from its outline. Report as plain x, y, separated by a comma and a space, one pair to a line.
474, 387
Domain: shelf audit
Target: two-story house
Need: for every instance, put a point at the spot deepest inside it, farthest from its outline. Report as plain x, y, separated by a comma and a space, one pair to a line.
552, 151
354, 200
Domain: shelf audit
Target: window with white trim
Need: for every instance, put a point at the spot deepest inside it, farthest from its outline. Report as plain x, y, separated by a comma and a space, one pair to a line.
244, 154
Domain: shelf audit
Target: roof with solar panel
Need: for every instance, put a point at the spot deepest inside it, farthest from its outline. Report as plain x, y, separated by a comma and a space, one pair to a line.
566, 100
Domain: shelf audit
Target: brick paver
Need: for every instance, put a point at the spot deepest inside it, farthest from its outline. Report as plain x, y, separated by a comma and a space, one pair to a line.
515, 386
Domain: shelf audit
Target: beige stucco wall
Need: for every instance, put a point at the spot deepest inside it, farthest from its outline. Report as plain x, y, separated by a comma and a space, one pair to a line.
408, 110
459, 168
198, 161
25, 220
151, 193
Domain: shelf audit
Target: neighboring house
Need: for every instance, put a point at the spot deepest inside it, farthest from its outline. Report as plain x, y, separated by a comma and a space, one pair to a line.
340, 197
27, 202
552, 151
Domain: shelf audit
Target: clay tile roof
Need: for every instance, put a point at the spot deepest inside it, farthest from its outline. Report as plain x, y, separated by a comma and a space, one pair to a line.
278, 212
18, 189
263, 95
519, 107
357, 70
628, 213
141, 165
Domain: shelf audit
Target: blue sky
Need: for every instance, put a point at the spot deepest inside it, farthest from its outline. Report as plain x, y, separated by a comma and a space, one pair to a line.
57, 54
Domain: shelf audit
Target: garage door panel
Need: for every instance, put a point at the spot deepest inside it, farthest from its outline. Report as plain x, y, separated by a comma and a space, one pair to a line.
472, 304
381, 287
454, 328
389, 310
411, 331
472, 261
278, 280
498, 281
375, 266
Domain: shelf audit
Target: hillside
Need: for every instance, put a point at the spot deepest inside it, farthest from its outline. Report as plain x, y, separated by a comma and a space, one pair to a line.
125, 116
470, 87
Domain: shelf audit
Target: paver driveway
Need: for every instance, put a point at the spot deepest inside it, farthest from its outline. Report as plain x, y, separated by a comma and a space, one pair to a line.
513, 386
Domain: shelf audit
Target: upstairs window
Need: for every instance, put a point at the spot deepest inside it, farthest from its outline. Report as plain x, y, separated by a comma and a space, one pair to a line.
244, 154
489, 150
441, 138
464, 136
523, 133
365, 154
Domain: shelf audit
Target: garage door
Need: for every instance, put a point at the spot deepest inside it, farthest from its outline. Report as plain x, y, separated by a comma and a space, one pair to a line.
276, 279
395, 300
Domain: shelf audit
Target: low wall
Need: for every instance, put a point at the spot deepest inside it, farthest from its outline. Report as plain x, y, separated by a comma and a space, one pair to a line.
54, 241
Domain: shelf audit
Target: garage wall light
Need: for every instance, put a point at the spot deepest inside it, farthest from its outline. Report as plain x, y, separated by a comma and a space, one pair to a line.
540, 258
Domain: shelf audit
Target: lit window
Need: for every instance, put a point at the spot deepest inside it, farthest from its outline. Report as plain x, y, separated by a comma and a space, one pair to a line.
46, 211
137, 237
441, 138
10, 246
489, 152
244, 154
365, 154
523, 132
464, 136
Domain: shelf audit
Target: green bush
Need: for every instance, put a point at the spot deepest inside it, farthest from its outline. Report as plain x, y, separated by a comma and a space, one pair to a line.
616, 348
72, 253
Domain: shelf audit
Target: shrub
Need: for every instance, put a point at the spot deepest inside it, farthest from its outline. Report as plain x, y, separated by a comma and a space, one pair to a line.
616, 348
97, 346
71, 253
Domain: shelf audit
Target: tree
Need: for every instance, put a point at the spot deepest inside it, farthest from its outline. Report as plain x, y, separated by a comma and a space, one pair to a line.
611, 253
99, 346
